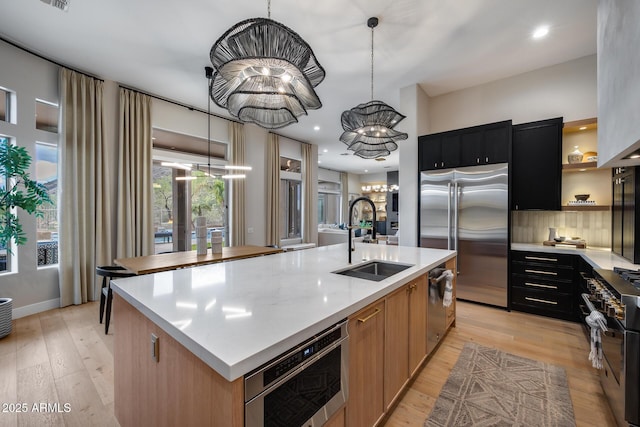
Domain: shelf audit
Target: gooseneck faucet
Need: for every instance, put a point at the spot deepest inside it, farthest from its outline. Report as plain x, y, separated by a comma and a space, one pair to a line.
350, 226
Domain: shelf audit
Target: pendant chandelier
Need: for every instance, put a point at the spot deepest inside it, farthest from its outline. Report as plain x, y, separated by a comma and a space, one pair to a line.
265, 73
368, 127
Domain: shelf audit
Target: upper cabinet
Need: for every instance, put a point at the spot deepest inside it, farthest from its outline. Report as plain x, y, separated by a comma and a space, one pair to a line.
536, 165
478, 145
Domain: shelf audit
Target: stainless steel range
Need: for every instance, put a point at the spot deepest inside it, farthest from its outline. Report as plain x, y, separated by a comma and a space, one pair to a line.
616, 294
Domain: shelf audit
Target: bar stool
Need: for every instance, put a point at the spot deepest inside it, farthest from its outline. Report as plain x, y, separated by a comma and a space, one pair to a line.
109, 272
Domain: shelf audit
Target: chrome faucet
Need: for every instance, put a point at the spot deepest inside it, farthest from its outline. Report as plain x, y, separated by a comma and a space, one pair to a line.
350, 226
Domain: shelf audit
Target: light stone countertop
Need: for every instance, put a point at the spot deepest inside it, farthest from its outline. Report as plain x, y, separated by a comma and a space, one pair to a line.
596, 257
236, 316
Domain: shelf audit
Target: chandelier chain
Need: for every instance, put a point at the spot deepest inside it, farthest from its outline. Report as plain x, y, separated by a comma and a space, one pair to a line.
269, 9
372, 63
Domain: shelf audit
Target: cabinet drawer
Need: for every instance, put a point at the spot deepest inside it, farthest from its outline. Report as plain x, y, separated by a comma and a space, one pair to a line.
552, 272
548, 301
543, 258
542, 284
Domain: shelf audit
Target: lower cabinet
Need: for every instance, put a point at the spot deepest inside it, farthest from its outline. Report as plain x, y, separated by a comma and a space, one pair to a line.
366, 366
387, 346
405, 336
543, 283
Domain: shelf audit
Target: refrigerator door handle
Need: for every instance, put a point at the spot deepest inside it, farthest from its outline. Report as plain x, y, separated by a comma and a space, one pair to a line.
456, 190
449, 216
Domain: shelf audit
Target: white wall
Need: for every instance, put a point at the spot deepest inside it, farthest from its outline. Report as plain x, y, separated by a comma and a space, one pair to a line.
567, 90
618, 80
415, 104
33, 289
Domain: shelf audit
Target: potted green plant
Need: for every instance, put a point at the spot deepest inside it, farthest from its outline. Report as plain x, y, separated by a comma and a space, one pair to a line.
17, 191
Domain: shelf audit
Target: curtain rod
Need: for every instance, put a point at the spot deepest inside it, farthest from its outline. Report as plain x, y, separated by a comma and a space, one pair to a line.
24, 49
293, 139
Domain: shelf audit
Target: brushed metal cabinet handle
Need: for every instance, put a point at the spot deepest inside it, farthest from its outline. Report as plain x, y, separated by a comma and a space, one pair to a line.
549, 273
537, 258
541, 300
363, 320
539, 285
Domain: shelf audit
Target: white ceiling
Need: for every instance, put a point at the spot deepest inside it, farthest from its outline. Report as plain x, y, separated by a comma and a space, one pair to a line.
161, 47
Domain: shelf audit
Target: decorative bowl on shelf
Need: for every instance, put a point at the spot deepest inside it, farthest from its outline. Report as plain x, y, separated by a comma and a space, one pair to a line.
590, 156
582, 197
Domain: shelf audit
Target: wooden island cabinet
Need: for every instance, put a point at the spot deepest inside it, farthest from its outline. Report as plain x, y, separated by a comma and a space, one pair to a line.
164, 377
387, 346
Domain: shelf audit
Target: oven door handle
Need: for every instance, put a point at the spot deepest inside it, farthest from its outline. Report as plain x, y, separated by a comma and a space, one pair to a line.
590, 306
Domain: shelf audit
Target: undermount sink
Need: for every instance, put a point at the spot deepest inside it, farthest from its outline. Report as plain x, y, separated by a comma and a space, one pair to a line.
374, 270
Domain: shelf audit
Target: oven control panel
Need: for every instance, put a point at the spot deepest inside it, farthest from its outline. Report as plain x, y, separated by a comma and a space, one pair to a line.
605, 299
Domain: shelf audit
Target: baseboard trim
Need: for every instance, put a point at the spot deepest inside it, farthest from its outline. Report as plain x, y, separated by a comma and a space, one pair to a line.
38, 307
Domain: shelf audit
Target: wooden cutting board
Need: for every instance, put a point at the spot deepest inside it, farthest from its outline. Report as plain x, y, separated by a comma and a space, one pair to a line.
581, 244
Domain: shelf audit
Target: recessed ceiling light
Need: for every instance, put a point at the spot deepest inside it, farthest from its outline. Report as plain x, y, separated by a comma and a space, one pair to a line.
319, 161
316, 128
366, 170
325, 151
540, 32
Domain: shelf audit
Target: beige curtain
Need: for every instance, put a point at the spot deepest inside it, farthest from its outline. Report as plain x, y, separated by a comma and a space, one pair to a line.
309, 195
236, 132
273, 189
344, 196
134, 232
84, 221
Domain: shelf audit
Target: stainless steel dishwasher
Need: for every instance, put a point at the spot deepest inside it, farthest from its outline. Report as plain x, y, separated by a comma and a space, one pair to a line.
436, 312
304, 386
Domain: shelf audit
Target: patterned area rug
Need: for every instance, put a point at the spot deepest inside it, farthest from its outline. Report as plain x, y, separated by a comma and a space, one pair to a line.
488, 387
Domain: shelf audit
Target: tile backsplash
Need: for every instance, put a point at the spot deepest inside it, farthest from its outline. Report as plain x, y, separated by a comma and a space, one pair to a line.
533, 226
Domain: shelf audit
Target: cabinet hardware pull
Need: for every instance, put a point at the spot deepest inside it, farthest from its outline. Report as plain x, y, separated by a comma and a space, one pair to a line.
538, 285
377, 310
537, 258
541, 300
550, 273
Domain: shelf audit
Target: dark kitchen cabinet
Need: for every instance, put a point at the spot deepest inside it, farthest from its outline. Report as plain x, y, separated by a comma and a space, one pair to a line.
487, 144
477, 145
544, 283
536, 165
625, 229
439, 151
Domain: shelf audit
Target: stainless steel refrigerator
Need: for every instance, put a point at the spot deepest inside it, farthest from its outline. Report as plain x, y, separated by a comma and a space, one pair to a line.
467, 210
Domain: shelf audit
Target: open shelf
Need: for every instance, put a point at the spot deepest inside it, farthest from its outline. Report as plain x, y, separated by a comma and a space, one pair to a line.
592, 208
575, 167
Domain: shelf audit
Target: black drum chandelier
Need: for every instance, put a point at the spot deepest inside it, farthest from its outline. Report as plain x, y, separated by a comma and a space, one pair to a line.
368, 127
265, 73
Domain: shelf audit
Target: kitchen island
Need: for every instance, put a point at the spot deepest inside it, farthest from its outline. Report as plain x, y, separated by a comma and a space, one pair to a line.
215, 323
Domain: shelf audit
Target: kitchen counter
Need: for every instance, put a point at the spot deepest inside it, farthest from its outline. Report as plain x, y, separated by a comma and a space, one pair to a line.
238, 315
596, 257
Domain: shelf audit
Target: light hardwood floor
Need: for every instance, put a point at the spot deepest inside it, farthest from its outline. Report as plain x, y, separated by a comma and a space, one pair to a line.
63, 356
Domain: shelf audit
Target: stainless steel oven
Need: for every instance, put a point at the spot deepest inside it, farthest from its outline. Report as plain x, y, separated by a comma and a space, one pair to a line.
304, 386
617, 297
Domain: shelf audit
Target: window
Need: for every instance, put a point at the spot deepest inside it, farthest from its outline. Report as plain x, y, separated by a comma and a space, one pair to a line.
5, 105
183, 190
47, 222
46, 116
328, 202
291, 209
290, 165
